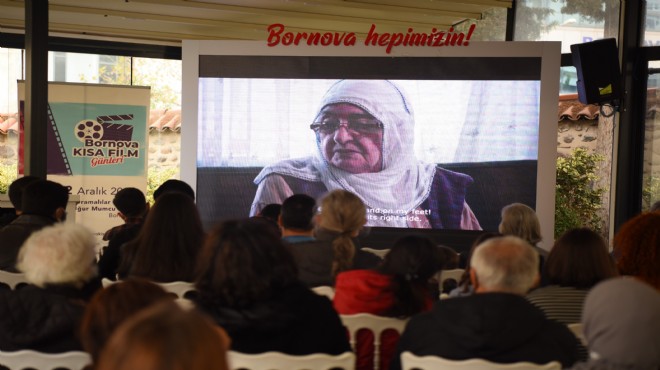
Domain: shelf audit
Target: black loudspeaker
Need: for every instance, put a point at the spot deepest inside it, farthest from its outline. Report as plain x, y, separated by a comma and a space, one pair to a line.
598, 72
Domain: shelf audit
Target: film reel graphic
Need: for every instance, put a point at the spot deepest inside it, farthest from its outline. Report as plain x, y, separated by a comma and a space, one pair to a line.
104, 128
88, 129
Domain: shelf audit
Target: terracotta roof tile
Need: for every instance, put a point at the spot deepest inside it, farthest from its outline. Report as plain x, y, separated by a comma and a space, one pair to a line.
571, 109
8, 122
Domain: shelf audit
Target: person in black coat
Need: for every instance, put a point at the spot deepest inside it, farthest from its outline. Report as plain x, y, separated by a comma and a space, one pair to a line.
43, 203
247, 282
496, 323
59, 264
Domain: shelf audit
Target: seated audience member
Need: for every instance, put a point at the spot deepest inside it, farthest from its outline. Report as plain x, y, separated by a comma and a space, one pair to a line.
578, 261
165, 336
296, 219
464, 287
271, 212
637, 248
521, 221
174, 186
336, 247
247, 282
398, 288
15, 193
111, 306
44, 203
132, 207
621, 323
450, 262
496, 323
59, 264
166, 248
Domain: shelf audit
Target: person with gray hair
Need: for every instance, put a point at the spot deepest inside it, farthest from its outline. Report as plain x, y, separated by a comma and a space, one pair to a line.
496, 323
621, 324
59, 264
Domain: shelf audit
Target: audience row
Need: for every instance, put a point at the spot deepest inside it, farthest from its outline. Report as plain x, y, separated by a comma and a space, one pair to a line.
252, 280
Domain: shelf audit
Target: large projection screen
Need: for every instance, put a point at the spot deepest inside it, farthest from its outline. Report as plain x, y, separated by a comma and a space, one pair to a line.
478, 132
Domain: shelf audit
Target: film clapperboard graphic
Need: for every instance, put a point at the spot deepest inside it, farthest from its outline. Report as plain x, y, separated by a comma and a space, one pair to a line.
103, 128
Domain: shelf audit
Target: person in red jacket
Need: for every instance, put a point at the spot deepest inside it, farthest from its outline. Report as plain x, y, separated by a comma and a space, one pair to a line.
398, 288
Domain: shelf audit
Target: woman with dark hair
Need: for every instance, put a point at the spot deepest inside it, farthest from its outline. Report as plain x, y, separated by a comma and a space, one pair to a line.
637, 248
111, 306
168, 243
247, 282
578, 261
399, 288
464, 284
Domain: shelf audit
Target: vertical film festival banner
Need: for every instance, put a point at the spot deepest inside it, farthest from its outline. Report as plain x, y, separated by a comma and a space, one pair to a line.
97, 145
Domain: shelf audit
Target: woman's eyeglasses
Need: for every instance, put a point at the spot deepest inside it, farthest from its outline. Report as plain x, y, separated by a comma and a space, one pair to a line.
359, 125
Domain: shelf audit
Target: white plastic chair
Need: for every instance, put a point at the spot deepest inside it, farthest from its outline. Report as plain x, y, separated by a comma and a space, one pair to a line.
379, 252
282, 361
409, 361
451, 274
376, 324
325, 290
105, 282
180, 288
576, 328
12, 278
28, 359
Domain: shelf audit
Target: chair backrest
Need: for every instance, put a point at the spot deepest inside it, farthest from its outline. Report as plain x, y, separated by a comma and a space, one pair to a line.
451, 274
376, 324
282, 361
379, 252
28, 359
180, 288
409, 361
443, 275
12, 278
325, 290
105, 282
576, 328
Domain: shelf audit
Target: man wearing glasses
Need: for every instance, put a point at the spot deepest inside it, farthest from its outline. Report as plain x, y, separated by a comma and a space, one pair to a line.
365, 144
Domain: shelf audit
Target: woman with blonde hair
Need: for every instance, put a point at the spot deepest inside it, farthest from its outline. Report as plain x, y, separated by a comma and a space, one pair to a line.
341, 217
521, 221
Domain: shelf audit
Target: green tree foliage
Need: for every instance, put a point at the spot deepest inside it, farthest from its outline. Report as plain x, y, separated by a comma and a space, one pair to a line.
156, 177
650, 191
532, 22
8, 174
577, 200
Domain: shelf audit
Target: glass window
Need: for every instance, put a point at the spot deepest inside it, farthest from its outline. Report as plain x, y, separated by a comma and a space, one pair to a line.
652, 23
164, 77
492, 26
11, 70
651, 169
568, 80
571, 22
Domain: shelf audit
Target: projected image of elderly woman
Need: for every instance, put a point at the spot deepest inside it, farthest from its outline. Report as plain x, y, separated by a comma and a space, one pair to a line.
365, 144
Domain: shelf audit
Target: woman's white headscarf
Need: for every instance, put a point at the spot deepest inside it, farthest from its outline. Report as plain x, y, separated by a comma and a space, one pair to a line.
403, 183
